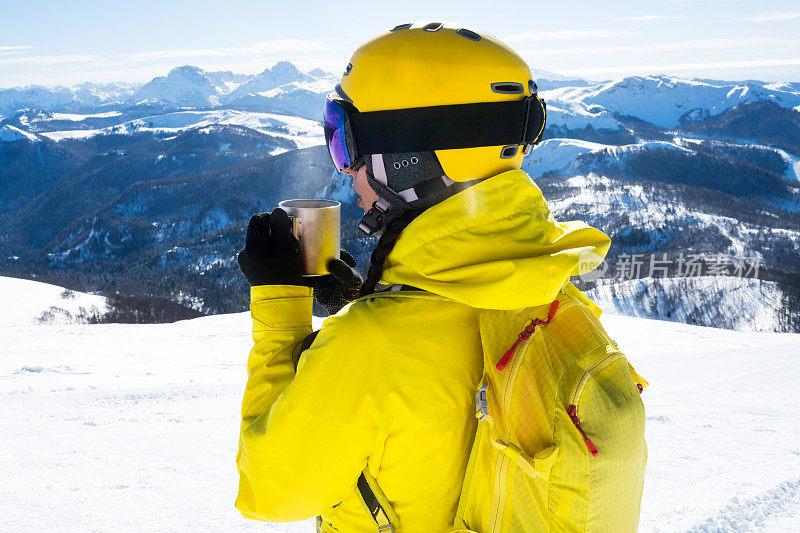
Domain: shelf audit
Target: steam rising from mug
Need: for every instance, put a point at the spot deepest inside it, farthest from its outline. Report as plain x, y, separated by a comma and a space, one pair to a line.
316, 225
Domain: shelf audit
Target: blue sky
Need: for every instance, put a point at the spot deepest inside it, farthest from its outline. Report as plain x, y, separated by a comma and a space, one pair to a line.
49, 42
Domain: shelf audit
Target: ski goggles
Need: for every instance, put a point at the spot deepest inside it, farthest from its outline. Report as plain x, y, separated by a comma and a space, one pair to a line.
350, 135
338, 132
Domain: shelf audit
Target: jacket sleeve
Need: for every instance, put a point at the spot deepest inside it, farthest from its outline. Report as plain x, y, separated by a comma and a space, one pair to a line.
300, 451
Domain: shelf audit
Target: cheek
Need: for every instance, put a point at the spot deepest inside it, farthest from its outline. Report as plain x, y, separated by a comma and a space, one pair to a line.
360, 181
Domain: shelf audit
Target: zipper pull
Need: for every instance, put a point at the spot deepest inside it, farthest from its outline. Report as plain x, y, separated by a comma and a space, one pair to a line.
572, 411
552, 312
526, 334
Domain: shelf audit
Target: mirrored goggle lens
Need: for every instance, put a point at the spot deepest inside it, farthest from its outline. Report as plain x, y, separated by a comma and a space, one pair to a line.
335, 135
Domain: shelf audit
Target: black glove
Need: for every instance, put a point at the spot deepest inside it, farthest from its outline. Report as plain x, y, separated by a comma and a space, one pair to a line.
271, 254
335, 290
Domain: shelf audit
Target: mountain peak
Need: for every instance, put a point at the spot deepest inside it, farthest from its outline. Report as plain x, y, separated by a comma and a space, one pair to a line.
187, 71
183, 86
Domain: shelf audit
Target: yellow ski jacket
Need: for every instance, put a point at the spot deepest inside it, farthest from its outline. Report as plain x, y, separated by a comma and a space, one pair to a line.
389, 383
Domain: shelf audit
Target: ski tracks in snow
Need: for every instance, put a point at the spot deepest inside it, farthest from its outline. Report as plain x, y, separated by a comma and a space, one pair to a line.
756, 513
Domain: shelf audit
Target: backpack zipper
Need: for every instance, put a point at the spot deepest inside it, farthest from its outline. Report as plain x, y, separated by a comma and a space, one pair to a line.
572, 409
498, 504
526, 334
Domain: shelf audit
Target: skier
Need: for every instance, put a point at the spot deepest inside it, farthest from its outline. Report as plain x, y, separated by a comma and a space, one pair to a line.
373, 428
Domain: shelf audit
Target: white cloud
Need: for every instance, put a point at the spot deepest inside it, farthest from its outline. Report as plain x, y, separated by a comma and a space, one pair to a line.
700, 44
772, 17
267, 47
566, 34
717, 65
14, 47
51, 60
643, 18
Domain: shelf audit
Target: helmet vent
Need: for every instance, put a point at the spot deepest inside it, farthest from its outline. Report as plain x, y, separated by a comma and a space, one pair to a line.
469, 34
348, 69
401, 26
509, 151
508, 87
433, 26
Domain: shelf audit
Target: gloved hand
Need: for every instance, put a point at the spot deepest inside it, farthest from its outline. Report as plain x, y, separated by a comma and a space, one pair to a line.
335, 290
271, 254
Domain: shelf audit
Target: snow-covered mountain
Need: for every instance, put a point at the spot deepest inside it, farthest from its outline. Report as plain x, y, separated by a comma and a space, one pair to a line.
36, 96
83, 96
300, 131
667, 101
185, 86
282, 73
155, 182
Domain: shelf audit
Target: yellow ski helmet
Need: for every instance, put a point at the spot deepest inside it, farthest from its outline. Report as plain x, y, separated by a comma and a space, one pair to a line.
440, 64
431, 109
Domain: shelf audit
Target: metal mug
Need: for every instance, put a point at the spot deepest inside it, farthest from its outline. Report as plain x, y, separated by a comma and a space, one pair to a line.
316, 224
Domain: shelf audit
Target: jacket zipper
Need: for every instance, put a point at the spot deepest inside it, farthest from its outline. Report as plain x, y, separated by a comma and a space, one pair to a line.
526, 334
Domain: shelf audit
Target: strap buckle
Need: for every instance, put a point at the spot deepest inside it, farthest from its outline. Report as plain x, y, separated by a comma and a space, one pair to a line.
387, 527
373, 219
482, 402
533, 140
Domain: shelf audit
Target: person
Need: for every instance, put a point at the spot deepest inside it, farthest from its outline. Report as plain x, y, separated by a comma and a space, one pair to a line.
377, 419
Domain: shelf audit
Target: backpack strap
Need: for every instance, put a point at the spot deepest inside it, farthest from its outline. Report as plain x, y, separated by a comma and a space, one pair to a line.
304, 345
379, 507
537, 466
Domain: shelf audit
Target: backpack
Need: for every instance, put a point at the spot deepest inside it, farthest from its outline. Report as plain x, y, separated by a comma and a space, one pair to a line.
560, 443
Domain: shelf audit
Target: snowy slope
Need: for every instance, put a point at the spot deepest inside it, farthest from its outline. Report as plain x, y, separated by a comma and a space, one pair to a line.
27, 302
9, 133
134, 427
577, 115
558, 154
740, 303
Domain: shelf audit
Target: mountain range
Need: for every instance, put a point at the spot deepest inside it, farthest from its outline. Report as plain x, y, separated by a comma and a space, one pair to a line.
145, 189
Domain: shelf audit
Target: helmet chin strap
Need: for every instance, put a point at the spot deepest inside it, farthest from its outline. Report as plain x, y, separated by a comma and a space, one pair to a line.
373, 219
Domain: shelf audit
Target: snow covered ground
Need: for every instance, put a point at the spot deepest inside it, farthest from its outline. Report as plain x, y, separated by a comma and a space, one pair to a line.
27, 302
134, 427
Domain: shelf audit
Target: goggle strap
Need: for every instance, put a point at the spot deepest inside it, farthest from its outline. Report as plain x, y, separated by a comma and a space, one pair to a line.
446, 127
